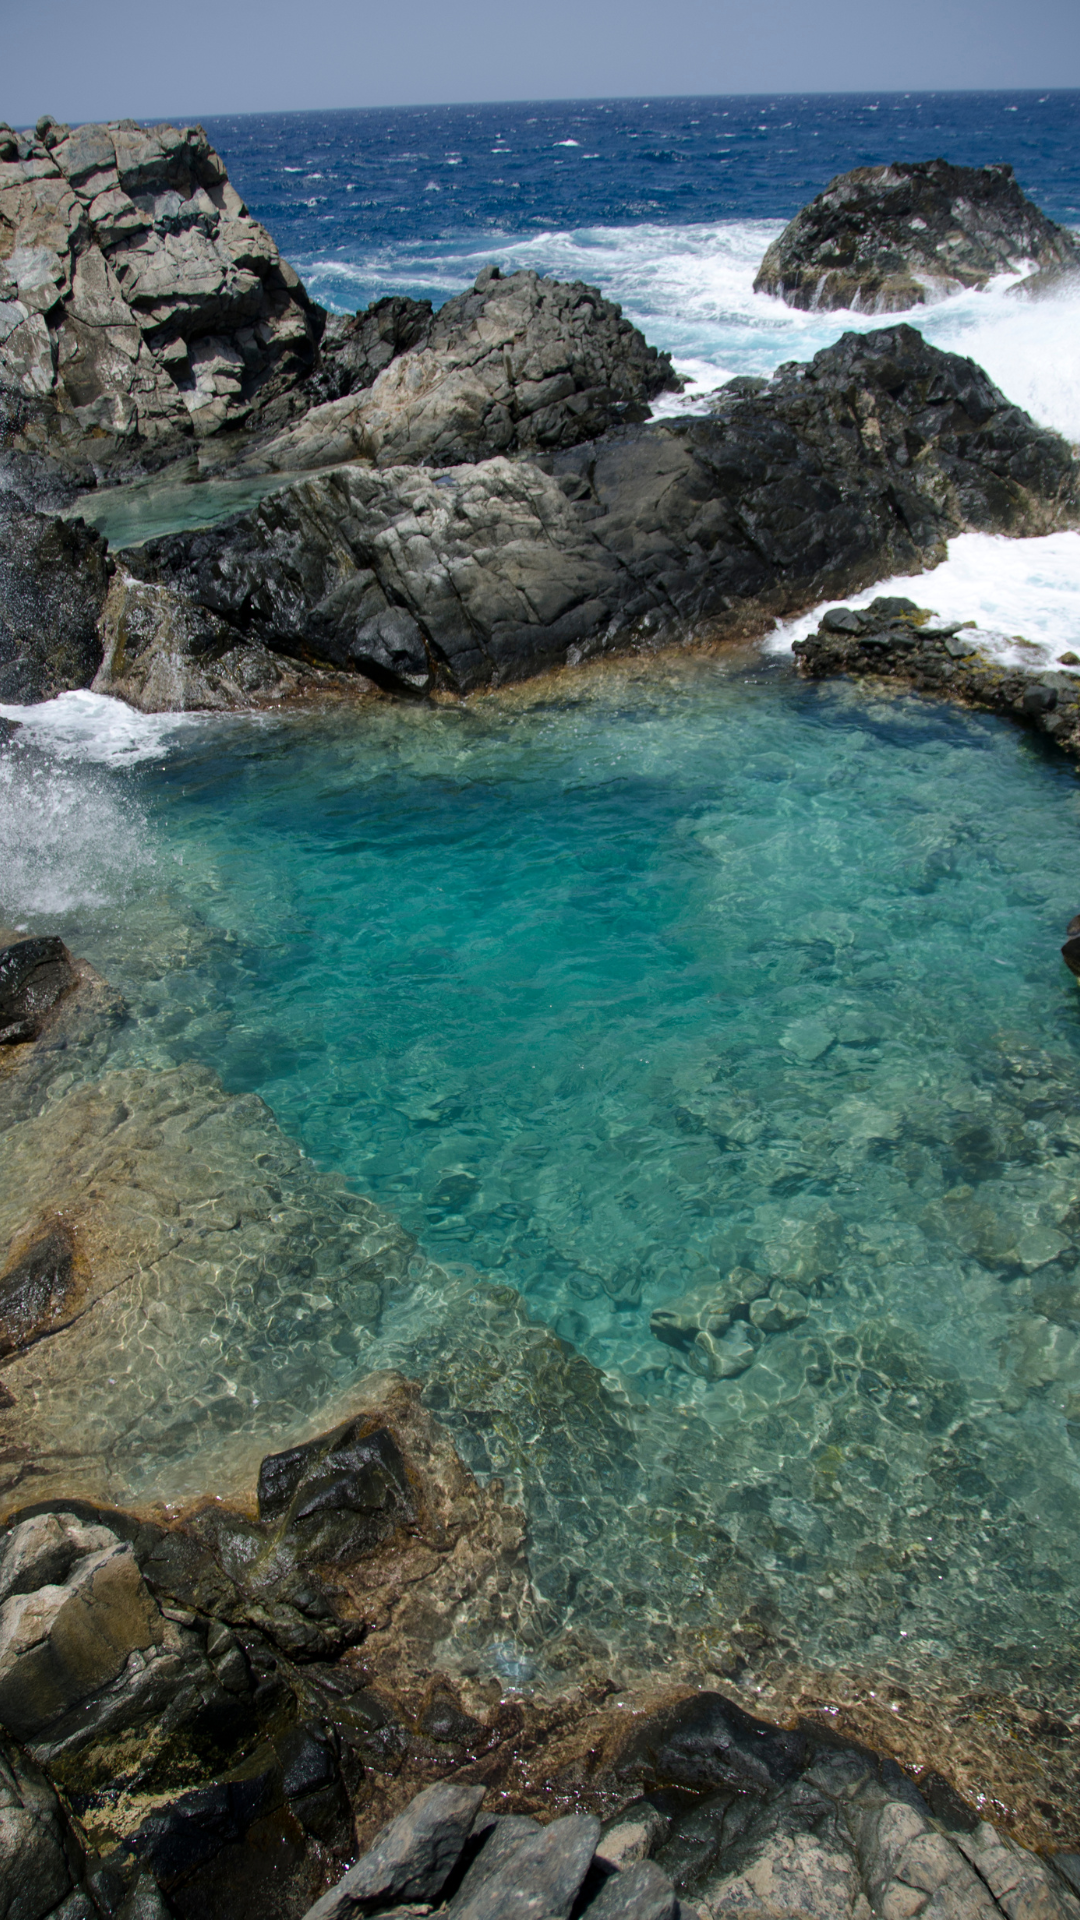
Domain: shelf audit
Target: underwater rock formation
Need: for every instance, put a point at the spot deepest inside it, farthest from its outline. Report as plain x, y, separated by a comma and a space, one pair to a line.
893, 639
859, 464
882, 239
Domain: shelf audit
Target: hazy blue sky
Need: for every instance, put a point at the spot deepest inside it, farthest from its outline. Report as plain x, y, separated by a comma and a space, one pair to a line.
97, 59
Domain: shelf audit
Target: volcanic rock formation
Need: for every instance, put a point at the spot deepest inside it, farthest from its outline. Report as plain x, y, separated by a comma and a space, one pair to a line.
881, 239
893, 639
860, 464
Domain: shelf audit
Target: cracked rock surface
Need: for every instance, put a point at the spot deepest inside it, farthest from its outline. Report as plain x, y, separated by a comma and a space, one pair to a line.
139, 302
859, 464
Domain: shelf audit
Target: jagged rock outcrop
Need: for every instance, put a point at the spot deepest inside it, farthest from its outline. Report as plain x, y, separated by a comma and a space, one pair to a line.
163, 654
893, 639
881, 239
189, 1686
54, 575
139, 302
514, 365
860, 464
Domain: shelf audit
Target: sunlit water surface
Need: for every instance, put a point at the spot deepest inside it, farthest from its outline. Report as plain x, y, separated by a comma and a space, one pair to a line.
615, 985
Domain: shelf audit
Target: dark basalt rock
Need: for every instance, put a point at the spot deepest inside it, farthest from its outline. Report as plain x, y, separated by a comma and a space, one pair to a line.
892, 639
881, 239
709, 1742
860, 464
54, 575
339, 1496
356, 347
34, 976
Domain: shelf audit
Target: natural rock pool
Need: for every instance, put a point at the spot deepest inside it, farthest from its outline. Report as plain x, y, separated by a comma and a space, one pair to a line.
667, 978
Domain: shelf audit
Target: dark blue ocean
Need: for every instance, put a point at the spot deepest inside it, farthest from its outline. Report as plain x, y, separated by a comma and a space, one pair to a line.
667, 205
361, 197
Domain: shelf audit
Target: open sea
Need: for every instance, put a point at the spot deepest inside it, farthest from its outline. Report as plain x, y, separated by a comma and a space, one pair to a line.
658, 969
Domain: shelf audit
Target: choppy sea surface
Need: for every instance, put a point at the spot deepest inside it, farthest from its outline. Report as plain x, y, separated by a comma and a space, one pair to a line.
658, 970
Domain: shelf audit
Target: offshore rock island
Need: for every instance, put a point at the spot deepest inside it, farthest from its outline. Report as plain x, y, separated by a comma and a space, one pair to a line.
248, 1613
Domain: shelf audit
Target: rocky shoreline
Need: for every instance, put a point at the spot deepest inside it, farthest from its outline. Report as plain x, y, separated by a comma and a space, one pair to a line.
212, 1703
209, 1703
894, 640
453, 500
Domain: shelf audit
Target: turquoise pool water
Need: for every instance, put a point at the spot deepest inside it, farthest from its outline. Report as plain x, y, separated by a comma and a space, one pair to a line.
617, 986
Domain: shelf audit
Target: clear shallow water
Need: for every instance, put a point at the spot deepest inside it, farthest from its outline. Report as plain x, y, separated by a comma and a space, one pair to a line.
609, 988
614, 986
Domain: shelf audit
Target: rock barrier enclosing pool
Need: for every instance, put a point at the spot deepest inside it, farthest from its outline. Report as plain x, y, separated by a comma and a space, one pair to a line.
893, 639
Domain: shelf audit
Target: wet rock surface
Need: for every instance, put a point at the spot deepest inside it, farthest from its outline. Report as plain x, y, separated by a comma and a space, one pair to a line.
860, 463
882, 239
54, 575
161, 653
893, 639
198, 1780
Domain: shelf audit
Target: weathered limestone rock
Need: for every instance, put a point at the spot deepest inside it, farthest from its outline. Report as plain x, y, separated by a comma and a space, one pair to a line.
860, 464
881, 239
516, 364
139, 302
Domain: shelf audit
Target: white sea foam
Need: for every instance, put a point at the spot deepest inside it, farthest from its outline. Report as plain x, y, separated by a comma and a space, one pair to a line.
91, 727
691, 290
1024, 596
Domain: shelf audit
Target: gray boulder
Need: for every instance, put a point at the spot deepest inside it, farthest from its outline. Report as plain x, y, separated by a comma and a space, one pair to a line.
881, 239
411, 1859
139, 302
536, 1879
513, 365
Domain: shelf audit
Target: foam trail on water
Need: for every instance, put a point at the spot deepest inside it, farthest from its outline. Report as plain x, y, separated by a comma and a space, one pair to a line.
691, 290
92, 727
69, 840
73, 836
1024, 596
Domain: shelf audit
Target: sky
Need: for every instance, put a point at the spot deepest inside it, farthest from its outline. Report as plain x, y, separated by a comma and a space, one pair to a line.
106, 59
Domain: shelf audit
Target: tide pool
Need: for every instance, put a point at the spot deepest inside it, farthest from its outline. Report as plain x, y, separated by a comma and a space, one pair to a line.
611, 988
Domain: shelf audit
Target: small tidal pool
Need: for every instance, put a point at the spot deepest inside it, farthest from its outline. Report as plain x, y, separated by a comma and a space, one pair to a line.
615, 987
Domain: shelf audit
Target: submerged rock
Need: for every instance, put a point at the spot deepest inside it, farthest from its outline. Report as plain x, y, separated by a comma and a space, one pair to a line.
881, 239
893, 639
861, 463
